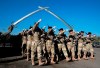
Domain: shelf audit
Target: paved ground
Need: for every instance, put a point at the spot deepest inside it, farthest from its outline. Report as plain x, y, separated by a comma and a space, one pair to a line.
22, 63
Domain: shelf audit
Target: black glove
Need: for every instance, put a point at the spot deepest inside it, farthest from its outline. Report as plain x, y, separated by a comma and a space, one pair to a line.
10, 28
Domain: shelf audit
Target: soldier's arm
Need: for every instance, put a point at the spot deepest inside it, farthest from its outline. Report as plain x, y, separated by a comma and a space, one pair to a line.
33, 28
36, 25
49, 31
29, 30
9, 30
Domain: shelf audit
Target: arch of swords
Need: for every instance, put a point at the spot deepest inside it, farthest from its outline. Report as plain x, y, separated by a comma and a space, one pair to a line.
41, 9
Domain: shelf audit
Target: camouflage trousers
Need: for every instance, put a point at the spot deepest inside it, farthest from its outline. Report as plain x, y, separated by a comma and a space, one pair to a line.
24, 42
88, 48
36, 47
29, 43
71, 48
62, 47
50, 48
43, 46
80, 48
23, 49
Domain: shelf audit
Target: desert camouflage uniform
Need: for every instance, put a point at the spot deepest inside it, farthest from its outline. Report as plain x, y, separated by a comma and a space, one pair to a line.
61, 44
88, 47
24, 44
50, 45
36, 47
71, 45
29, 44
80, 46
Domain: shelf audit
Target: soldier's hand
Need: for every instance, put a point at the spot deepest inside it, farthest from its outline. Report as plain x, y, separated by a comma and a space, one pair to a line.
38, 21
10, 28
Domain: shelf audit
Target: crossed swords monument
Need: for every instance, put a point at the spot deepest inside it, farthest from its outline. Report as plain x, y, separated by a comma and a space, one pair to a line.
40, 9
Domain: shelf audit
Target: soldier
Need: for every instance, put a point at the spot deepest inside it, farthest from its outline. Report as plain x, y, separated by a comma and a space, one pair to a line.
36, 44
89, 47
43, 41
43, 45
61, 43
50, 45
81, 41
24, 42
29, 42
71, 43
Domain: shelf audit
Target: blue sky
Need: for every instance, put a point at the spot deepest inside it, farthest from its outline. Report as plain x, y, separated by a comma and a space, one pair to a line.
80, 14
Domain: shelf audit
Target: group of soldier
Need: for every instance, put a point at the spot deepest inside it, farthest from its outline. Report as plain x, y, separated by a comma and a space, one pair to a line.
39, 43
